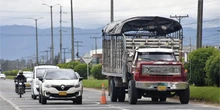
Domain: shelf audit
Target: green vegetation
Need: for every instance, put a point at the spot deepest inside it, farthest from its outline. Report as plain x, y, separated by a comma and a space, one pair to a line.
95, 83
97, 72
82, 70
210, 94
198, 59
212, 69
10, 77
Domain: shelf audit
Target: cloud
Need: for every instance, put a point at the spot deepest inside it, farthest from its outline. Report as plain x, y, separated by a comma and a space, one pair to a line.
96, 13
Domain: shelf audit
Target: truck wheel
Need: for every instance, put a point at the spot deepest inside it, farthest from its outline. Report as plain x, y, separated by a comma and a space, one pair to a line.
163, 99
132, 92
121, 94
113, 91
184, 96
154, 99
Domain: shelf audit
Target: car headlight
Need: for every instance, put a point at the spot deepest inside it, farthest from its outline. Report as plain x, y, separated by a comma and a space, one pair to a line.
47, 85
77, 85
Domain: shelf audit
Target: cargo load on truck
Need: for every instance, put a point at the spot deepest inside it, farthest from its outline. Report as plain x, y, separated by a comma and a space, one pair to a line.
141, 57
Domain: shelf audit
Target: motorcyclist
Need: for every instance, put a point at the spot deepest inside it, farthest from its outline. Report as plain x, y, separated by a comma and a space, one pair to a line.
19, 78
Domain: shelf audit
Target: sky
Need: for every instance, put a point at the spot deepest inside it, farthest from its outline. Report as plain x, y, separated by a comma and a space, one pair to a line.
91, 14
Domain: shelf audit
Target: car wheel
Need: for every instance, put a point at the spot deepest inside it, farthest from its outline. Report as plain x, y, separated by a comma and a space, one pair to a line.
154, 99
113, 93
43, 100
184, 96
132, 92
163, 99
79, 100
39, 98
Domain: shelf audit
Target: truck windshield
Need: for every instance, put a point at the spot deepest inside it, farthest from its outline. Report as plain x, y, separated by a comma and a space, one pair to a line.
155, 56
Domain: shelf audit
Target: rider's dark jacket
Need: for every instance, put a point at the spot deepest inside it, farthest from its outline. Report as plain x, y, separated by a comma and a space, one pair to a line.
20, 78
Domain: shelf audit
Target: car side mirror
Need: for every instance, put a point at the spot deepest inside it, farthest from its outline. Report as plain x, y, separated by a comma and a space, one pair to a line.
80, 78
41, 79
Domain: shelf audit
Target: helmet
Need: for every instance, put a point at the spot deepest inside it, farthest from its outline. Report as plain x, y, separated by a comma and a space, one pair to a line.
20, 72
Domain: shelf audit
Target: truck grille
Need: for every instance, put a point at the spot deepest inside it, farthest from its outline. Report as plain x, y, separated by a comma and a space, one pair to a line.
65, 88
161, 69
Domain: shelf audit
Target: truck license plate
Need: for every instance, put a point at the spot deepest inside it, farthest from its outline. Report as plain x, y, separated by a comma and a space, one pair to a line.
63, 93
161, 88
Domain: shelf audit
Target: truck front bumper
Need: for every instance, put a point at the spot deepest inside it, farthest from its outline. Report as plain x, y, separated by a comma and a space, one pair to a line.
161, 86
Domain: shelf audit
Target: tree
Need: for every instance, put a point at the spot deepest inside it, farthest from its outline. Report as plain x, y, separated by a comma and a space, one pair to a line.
97, 72
212, 69
198, 59
81, 69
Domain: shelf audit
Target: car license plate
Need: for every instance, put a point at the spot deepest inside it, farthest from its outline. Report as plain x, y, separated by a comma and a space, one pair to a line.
27, 85
161, 88
63, 93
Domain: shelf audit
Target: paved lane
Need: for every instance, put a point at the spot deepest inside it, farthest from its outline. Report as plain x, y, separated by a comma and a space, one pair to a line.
90, 102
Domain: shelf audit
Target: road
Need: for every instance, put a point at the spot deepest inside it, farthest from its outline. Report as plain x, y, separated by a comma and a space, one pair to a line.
11, 101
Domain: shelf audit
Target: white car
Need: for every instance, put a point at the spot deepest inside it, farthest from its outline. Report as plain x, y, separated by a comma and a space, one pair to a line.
38, 73
29, 76
2, 76
61, 84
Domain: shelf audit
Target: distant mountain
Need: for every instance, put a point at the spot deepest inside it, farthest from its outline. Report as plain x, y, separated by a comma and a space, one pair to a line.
18, 41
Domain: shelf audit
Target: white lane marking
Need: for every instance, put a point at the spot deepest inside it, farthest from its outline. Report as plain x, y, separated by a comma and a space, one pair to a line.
77, 108
13, 105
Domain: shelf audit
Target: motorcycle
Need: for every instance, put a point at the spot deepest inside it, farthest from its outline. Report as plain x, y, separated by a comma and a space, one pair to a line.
20, 89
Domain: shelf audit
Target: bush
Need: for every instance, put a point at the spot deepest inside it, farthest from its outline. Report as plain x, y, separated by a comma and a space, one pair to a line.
198, 59
212, 69
82, 70
69, 65
97, 72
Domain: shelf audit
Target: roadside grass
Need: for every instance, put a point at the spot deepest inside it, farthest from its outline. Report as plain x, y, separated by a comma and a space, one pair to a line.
97, 84
208, 94
10, 77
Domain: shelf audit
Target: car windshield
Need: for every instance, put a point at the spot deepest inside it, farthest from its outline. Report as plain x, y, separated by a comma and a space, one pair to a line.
40, 72
28, 74
155, 56
60, 75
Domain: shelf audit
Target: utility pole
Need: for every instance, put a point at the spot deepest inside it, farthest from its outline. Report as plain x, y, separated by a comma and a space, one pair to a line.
112, 10
60, 54
199, 24
64, 52
77, 45
36, 39
52, 45
72, 31
179, 18
47, 53
95, 47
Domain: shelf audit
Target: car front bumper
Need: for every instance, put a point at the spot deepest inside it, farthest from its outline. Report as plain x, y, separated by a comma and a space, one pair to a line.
161, 86
54, 94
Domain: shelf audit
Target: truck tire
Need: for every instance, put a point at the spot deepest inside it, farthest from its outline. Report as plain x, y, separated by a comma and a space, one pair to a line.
184, 96
113, 91
132, 92
154, 99
121, 94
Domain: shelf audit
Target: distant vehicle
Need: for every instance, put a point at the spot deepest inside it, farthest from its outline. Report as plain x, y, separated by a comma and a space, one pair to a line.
29, 76
2, 76
37, 73
61, 84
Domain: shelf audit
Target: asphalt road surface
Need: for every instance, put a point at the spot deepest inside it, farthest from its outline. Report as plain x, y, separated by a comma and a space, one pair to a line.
9, 100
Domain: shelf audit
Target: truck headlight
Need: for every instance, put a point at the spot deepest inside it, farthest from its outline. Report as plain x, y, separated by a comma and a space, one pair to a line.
145, 70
